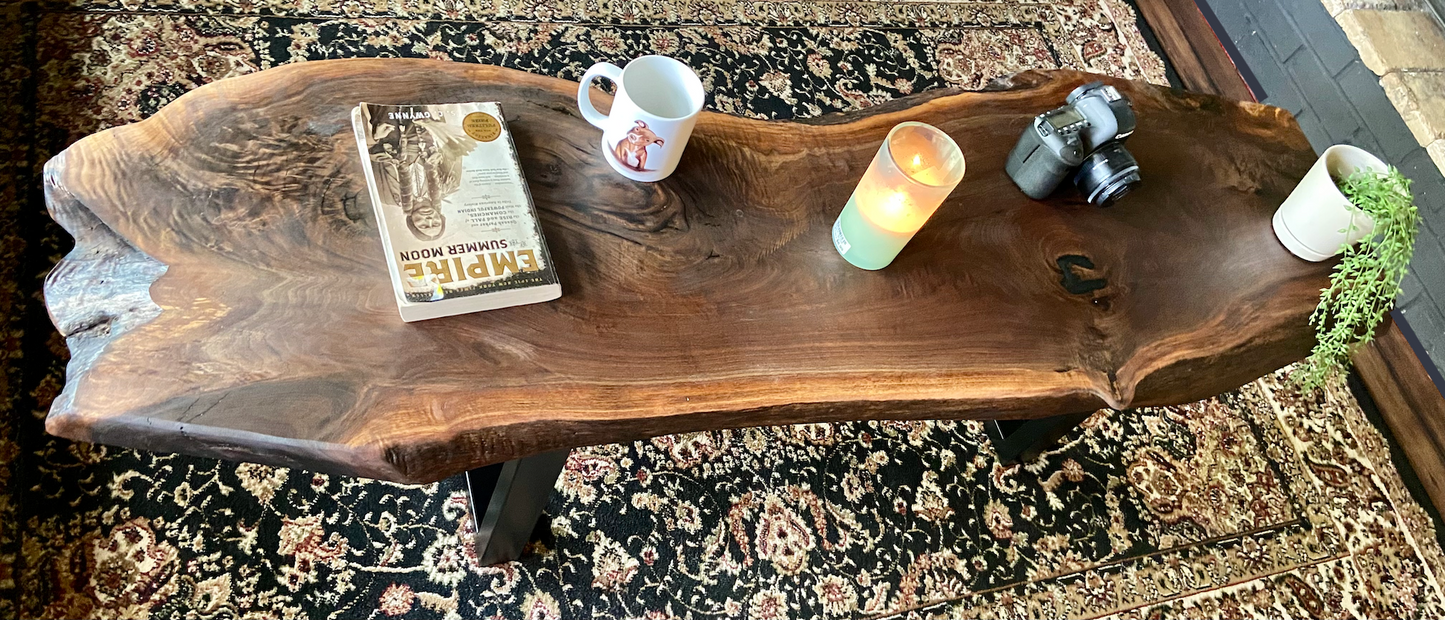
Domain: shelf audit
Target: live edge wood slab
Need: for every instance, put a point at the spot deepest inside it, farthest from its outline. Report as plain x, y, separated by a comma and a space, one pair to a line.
227, 297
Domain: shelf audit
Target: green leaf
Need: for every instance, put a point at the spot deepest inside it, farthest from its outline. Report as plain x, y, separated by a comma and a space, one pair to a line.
1363, 286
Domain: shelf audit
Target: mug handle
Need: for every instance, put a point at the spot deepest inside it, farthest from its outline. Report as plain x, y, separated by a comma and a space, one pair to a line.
584, 101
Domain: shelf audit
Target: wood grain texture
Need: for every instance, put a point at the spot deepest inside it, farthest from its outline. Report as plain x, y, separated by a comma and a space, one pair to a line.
227, 295
1193, 48
1410, 404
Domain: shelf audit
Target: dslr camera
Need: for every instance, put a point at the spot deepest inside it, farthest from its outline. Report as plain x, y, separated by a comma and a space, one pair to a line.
1084, 138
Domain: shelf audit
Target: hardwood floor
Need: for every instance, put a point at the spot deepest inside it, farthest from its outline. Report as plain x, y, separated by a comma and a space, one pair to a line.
1408, 400
1193, 48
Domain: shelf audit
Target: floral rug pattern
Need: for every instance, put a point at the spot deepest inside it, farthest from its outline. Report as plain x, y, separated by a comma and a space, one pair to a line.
1257, 503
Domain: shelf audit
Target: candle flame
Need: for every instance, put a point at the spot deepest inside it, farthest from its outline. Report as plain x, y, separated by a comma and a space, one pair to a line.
917, 161
892, 209
896, 204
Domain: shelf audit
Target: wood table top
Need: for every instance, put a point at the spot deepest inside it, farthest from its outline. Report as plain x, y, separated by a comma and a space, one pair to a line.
227, 294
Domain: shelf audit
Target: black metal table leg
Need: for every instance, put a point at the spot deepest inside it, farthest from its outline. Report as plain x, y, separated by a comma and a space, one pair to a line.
507, 498
1017, 441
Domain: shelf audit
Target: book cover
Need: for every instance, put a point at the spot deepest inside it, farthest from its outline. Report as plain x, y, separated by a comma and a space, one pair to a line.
456, 218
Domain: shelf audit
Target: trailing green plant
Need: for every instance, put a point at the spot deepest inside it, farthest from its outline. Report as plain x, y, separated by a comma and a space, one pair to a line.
1363, 287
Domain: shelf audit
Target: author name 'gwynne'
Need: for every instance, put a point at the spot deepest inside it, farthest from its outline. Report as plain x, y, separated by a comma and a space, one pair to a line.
402, 115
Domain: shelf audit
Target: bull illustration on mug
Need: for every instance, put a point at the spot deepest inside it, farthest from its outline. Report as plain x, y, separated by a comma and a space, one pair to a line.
633, 146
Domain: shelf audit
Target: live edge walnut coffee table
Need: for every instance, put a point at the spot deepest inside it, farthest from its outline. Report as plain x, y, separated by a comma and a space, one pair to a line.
227, 296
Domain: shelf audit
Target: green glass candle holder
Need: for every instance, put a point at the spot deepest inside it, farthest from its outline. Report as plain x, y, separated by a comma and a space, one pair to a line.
915, 169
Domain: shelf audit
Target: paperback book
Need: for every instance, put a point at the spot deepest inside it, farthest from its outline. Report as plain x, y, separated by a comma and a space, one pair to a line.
457, 221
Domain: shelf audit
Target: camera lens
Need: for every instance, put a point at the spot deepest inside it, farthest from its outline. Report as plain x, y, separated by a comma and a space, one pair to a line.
1107, 174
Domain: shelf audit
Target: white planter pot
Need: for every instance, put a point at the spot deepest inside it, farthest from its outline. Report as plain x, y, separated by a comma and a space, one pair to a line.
1314, 222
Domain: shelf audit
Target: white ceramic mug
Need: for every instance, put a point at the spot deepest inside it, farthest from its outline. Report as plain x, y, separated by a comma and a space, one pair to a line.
658, 99
1317, 221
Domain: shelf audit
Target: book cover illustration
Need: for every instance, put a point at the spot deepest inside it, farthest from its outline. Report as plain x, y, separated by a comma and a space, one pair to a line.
456, 214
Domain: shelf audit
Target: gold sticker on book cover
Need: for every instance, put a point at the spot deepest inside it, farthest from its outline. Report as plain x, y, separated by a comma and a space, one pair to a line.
481, 126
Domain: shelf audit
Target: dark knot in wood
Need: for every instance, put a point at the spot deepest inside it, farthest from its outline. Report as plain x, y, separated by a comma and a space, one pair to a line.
1072, 282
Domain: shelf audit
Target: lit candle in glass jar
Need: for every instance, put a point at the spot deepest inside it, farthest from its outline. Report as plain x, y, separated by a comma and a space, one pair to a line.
915, 169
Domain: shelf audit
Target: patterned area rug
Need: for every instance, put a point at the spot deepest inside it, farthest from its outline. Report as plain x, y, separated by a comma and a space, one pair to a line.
1258, 503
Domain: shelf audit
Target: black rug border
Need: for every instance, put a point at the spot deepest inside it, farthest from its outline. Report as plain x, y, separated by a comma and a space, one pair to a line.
1153, 42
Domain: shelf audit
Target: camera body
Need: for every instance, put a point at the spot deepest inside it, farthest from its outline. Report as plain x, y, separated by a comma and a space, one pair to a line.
1084, 138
